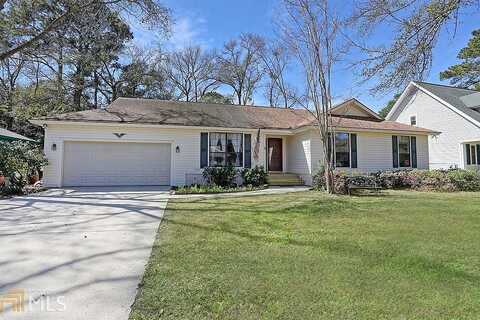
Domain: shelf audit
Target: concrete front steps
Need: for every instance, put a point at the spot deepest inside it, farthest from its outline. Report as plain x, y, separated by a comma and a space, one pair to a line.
284, 179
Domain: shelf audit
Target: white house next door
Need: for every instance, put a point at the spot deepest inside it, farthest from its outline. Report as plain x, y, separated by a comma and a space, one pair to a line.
116, 164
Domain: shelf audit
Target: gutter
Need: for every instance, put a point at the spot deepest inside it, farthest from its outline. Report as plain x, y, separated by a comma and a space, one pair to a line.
46, 123
352, 129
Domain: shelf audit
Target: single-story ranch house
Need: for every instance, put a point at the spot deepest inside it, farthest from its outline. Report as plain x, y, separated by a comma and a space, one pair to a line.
156, 142
453, 111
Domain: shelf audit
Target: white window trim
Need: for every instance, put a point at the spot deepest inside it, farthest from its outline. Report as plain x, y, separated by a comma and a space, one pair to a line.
416, 119
226, 132
473, 154
349, 150
410, 151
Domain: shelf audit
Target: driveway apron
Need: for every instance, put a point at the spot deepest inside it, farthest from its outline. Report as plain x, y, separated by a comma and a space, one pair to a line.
76, 253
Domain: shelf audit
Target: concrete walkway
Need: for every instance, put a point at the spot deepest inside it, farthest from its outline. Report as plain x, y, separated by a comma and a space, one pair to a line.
77, 253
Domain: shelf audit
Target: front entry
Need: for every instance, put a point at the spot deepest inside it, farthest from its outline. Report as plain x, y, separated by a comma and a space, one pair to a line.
275, 154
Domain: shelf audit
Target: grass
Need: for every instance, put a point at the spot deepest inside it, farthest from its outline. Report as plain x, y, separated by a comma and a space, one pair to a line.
404, 255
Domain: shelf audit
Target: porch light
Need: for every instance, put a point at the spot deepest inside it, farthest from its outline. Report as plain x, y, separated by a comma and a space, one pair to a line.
177, 149
54, 147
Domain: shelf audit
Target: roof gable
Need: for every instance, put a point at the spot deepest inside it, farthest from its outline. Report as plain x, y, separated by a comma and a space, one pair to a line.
465, 102
354, 108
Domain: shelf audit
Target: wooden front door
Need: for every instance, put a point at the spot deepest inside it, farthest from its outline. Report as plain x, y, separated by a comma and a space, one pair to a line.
275, 154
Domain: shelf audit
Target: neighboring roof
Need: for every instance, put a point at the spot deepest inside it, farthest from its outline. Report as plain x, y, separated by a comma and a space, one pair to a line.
465, 101
10, 135
462, 99
179, 113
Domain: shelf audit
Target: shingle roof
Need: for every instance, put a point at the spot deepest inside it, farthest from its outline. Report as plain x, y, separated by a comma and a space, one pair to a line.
349, 123
465, 100
165, 112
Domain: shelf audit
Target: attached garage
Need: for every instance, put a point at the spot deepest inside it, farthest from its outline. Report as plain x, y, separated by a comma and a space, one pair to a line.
116, 163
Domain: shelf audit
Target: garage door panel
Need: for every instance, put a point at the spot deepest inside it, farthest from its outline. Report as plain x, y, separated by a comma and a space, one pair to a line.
115, 164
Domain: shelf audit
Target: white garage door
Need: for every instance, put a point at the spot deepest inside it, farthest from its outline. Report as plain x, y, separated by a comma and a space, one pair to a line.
116, 164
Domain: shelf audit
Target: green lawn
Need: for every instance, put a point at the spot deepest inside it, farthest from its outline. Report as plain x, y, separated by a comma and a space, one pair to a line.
404, 255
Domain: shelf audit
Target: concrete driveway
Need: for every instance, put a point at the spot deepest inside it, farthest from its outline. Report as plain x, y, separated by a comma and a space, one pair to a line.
76, 254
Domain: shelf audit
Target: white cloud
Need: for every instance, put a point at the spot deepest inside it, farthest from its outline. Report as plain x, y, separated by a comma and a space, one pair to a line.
188, 31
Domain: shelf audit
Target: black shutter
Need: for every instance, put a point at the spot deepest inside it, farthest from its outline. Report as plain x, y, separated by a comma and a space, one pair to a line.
413, 143
478, 153
248, 150
353, 146
468, 154
204, 149
395, 151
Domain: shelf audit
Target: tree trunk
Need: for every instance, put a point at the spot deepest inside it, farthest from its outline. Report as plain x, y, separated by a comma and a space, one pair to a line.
95, 86
78, 90
60, 87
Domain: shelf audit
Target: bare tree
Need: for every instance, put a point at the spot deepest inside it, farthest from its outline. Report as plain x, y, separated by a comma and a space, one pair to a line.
10, 70
239, 66
311, 32
275, 58
416, 26
192, 72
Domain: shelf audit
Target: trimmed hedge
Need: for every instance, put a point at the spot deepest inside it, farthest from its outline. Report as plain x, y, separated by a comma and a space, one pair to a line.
452, 180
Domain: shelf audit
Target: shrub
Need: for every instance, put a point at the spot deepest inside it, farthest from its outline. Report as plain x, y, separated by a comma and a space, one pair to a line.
220, 176
342, 180
18, 161
431, 180
464, 180
425, 180
254, 176
398, 179
206, 189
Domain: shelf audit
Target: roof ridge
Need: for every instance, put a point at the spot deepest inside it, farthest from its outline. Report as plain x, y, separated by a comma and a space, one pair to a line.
444, 85
209, 103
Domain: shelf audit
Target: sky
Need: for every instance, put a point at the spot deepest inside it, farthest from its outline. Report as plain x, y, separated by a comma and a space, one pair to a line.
210, 23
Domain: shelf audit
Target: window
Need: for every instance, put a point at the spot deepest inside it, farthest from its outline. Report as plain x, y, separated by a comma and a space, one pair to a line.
342, 150
404, 152
413, 120
473, 154
226, 149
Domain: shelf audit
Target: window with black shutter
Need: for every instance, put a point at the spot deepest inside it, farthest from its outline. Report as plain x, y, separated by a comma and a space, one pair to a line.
469, 159
413, 142
395, 151
353, 146
478, 153
203, 149
248, 150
